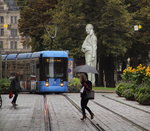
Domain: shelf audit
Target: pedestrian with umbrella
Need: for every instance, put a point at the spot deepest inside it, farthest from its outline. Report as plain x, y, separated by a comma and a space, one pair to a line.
85, 69
86, 86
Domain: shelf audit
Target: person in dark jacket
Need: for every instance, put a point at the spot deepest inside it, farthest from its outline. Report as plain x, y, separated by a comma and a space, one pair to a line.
15, 87
86, 86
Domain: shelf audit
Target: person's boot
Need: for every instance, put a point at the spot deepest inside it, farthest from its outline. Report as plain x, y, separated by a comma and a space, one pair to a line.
84, 117
92, 115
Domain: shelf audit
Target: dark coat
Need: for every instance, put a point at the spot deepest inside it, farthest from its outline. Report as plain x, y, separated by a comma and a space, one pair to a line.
15, 85
87, 87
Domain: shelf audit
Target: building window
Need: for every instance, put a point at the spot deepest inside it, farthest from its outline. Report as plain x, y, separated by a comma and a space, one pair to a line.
13, 44
1, 19
1, 44
13, 19
1, 32
25, 46
13, 32
1, 8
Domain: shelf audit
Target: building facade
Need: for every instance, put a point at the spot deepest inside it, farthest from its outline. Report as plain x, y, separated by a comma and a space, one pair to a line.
10, 39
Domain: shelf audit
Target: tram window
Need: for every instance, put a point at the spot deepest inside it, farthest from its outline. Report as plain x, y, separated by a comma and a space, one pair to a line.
55, 68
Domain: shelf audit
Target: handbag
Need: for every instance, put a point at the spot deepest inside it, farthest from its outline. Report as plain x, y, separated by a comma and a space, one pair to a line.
82, 89
10, 94
90, 94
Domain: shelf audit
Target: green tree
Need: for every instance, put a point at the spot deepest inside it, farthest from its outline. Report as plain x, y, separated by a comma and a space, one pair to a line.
112, 22
71, 26
35, 16
141, 41
114, 36
132, 5
110, 18
22, 3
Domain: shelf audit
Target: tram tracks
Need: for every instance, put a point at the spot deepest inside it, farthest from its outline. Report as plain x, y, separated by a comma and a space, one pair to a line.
1, 101
98, 124
126, 119
93, 123
126, 104
47, 118
121, 116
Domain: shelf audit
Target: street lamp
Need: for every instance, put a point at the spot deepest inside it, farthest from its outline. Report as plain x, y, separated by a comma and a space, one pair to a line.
51, 34
137, 27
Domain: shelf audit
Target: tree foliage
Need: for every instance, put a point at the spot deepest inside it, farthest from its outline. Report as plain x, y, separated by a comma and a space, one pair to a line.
110, 18
35, 15
113, 22
115, 29
71, 26
140, 39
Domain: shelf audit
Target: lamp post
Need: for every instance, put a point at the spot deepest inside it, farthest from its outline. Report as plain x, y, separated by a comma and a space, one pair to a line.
137, 27
51, 34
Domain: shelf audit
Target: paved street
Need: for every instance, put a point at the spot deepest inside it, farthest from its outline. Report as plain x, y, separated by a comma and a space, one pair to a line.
61, 112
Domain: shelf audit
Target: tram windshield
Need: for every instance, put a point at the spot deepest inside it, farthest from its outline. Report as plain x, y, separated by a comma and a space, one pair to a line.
55, 68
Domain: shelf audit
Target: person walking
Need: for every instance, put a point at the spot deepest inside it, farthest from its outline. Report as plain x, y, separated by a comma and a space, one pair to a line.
15, 87
86, 86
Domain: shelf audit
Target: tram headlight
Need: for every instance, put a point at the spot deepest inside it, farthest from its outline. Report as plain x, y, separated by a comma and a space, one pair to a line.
61, 83
46, 83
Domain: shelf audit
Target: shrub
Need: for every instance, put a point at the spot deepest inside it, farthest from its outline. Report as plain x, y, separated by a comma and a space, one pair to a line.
142, 88
119, 89
4, 85
129, 94
140, 74
74, 85
135, 84
122, 86
143, 95
144, 98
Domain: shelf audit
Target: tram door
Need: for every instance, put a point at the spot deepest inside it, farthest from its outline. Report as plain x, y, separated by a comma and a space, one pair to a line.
33, 83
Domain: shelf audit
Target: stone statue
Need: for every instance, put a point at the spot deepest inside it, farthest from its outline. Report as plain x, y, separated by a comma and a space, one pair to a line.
89, 47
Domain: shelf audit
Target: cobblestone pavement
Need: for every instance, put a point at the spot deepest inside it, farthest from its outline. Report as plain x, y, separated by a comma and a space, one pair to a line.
112, 113
27, 116
118, 116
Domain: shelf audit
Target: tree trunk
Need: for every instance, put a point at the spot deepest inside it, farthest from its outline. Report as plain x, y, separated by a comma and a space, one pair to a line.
100, 80
109, 71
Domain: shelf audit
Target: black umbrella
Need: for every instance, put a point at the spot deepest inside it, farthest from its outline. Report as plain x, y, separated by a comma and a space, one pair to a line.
85, 69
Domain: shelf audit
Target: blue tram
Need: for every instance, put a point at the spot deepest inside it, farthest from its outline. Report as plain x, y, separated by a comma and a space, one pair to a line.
43, 71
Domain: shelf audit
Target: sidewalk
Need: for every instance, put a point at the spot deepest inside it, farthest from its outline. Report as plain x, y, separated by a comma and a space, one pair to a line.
116, 116
134, 104
27, 116
112, 113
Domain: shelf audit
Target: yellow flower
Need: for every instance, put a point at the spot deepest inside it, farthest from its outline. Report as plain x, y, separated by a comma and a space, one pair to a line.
140, 68
148, 71
133, 70
148, 74
124, 71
